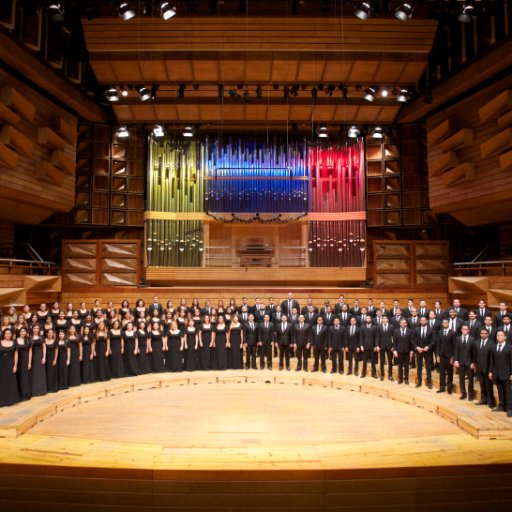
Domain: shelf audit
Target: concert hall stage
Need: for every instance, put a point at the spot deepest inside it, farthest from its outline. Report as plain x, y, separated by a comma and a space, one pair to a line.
252, 440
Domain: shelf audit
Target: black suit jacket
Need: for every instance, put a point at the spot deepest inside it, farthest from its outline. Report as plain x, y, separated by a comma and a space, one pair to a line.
474, 330
385, 337
337, 307
345, 320
402, 343
428, 341
413, 324
501, 363
328, 319
482, 356
311, 320
319, 337
353, 340
336, 337
284, 337
304, 310
445, 343
423, 312
369, 337
464, 351
266, 335
498, 318
481, 316
284, 306
154, 306
462, 313
301, 337
251, 335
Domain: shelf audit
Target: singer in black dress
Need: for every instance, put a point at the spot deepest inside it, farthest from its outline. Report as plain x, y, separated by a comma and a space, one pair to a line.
131, 350
76, 356
157, 348
102, 352
52, 353
63, 360
221, 351
206, 350
116, 350
24, 360
235, 342
191, 344
38, 363
174, 353
88, 346
61, 324
143, 341
9, 394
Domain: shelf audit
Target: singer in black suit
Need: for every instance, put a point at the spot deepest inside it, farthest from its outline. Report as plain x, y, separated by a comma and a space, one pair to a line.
266, 338
369, 336
319, 344
482, 311
402, 348
301, 337
288, 304
445, 350
474, 324
423, 343
482, 349
501, 373
353, 336
251, 342
463, 360
284, 341
336, 344
385, 346
345, 316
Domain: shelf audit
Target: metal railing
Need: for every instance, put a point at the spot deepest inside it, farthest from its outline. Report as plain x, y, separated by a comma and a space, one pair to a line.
35, 264
482, 268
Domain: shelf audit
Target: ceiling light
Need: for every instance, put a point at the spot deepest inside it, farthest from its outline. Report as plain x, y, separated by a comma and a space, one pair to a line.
363, 10
123, 132
158, 130
124, 91
404, 11
369, 94
112, 94
188, 131
354, 132
55, 11
377, 133
167, 11
144, 94
126, 11
468, 10
323, 132
384, 92
403, 96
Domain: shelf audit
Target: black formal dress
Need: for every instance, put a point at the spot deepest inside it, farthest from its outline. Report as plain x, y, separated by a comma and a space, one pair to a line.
87, 366
102, 365
235, 361
221, 352
75, 377
131, 360
174, 355
52, 378
61, 326
144, 357
205, 352
190, 352
117, 369
157, 352
23, 373
9, 394
62, 365
38, 370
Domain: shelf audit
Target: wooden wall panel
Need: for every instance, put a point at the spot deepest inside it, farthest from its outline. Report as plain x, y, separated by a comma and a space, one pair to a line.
31, 187
466, 142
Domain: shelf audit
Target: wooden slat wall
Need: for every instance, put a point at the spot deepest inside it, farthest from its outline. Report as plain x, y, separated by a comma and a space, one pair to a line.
27, 195
488, 197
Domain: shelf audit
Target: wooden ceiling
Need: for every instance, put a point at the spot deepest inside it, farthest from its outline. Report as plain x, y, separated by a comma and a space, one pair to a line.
256, 58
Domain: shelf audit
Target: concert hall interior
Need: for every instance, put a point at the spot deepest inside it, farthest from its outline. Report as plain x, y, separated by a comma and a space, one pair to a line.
255, 255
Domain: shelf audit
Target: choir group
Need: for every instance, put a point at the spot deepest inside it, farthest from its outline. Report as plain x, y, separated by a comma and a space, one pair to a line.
52, 349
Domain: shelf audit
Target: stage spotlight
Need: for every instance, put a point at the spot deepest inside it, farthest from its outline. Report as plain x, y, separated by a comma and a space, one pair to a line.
286, 92
124, 91
468, 10
188, 132
158, 130
144, 94
403, 96
167, 11
126, 11
323, 132
384, 92
354, 132
369, 94
363, 10
123, 132
404, 11
112, 94
55, 11
377, 133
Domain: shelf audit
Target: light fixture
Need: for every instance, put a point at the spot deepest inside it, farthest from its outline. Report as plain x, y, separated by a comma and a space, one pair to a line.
369, 94
123, 132
124, 91
403, 96
384, 92
126, 11
112, 94
323, 132
404, 11
377, 133
363, 10
354, 132
167, 11
188, 131
144, 93
468, 10
55, 11
158, 130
